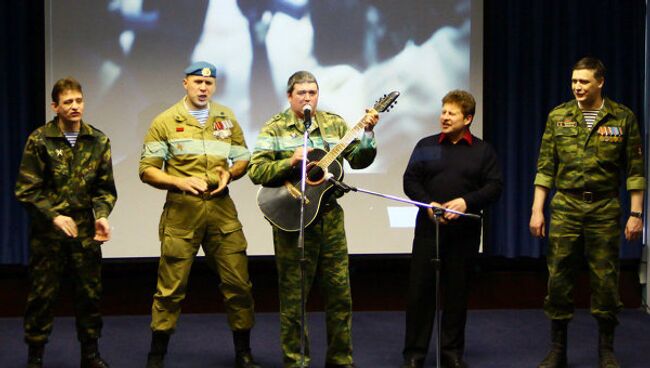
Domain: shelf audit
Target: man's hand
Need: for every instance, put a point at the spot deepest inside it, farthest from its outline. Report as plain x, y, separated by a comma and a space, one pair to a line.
370, 119
537, 225
298, 155
224, 178
191, 184
66, 224
633, 228
431, 213
102, 230
457, 205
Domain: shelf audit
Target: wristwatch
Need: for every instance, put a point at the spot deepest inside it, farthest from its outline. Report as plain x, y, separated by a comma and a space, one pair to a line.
636, 214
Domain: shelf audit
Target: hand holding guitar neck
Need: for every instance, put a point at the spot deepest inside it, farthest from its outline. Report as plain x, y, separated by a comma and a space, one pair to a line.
370, 119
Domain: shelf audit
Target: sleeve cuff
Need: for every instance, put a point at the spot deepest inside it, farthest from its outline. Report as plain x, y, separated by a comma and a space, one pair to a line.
544, 181
636, 183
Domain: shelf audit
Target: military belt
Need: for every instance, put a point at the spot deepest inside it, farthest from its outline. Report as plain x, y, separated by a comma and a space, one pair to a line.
205, 195
587, 196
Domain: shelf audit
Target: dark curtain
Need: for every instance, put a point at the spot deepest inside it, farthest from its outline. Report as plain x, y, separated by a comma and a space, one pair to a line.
529, 50
22, 76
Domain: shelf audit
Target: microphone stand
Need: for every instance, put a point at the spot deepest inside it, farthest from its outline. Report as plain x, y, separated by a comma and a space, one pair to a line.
438, 212
301, 242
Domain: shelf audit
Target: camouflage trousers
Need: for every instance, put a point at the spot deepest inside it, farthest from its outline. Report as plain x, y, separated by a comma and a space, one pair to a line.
580, 231
326, 256
52, 255
188, 222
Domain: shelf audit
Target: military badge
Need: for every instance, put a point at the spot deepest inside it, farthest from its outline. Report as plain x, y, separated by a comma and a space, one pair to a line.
222, 128
567, 124
59, 152
610, 134
206, 72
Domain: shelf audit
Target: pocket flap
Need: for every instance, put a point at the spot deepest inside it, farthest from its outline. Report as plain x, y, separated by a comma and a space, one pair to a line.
179, 233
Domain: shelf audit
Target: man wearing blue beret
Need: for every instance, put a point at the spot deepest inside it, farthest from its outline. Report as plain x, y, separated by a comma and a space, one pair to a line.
194, 150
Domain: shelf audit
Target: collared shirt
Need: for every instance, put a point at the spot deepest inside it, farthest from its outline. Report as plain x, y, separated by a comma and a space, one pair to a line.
178, 144
467, 137
573, 156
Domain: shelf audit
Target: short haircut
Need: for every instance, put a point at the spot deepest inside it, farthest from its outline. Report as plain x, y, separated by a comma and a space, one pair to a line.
463, 99
64, 84
591, 63
300, 77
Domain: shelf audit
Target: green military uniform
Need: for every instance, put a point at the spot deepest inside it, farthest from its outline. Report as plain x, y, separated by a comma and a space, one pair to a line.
58, 179
179, 145
586, 167
325, 242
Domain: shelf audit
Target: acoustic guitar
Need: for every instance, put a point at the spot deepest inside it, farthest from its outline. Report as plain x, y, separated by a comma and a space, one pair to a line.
281, 204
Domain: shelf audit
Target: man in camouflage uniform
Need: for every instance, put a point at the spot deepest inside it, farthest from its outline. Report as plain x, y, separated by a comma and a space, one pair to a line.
589, 142
277, 157
188, 151
66, 184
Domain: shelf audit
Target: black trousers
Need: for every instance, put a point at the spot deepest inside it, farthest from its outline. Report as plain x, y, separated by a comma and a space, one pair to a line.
457, 249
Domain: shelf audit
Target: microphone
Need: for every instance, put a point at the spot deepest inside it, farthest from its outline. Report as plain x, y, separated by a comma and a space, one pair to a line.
306, 111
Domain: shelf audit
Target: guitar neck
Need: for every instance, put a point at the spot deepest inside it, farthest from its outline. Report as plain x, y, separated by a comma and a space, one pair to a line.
343, 143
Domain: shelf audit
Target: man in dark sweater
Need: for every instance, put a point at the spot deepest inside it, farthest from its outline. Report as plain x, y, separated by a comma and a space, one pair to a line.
453, 170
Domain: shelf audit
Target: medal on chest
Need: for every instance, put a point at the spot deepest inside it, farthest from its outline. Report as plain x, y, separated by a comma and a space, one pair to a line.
610, 134
222, 128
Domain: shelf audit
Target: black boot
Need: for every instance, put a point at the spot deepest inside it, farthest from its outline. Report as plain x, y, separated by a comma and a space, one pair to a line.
606, 356
90, 355
556, 358
35, 355
159, 342
243, 356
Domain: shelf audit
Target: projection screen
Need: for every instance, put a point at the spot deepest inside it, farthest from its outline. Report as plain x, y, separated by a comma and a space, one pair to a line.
129, 56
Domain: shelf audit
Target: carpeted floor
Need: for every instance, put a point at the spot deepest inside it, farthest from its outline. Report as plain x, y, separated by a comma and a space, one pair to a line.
495, 339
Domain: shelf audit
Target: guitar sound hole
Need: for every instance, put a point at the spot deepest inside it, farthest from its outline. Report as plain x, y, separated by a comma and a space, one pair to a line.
315, 174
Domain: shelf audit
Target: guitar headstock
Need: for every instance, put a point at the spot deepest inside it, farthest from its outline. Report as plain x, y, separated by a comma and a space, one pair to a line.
387, 102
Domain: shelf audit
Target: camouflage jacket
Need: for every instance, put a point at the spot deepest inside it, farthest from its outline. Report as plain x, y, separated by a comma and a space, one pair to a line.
283, 134
57, 179
179, 145
573, 157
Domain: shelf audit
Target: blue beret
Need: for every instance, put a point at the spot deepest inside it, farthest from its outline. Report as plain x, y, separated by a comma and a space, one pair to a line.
201, 68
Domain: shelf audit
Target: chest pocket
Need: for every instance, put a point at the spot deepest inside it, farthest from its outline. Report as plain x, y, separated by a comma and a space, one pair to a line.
610, 139
566, 142
180, 144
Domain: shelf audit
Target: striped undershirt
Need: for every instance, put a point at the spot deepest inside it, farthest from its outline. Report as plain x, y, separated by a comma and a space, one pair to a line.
71, 137
200, 115
590, 114
590, 117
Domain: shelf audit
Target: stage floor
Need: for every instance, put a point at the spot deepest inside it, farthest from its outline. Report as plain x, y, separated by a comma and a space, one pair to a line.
495, 339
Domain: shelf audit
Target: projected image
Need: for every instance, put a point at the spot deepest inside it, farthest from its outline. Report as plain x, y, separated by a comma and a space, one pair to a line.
129, 56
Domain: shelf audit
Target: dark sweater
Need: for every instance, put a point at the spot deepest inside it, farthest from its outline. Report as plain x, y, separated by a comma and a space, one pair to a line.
439, 172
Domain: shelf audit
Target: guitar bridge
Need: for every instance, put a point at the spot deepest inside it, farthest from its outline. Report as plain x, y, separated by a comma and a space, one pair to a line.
295, 192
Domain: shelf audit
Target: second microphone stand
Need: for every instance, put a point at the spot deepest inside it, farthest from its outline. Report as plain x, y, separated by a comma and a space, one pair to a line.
438, 212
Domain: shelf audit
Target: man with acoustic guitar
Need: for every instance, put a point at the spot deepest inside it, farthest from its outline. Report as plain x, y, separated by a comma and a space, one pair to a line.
277, 159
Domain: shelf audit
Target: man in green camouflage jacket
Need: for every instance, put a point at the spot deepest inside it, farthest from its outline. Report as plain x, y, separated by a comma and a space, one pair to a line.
187, 151
66, 184
588, 144
277, 157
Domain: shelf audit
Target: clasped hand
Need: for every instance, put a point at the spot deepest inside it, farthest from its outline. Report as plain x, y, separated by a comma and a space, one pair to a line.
197, 186
457, 205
